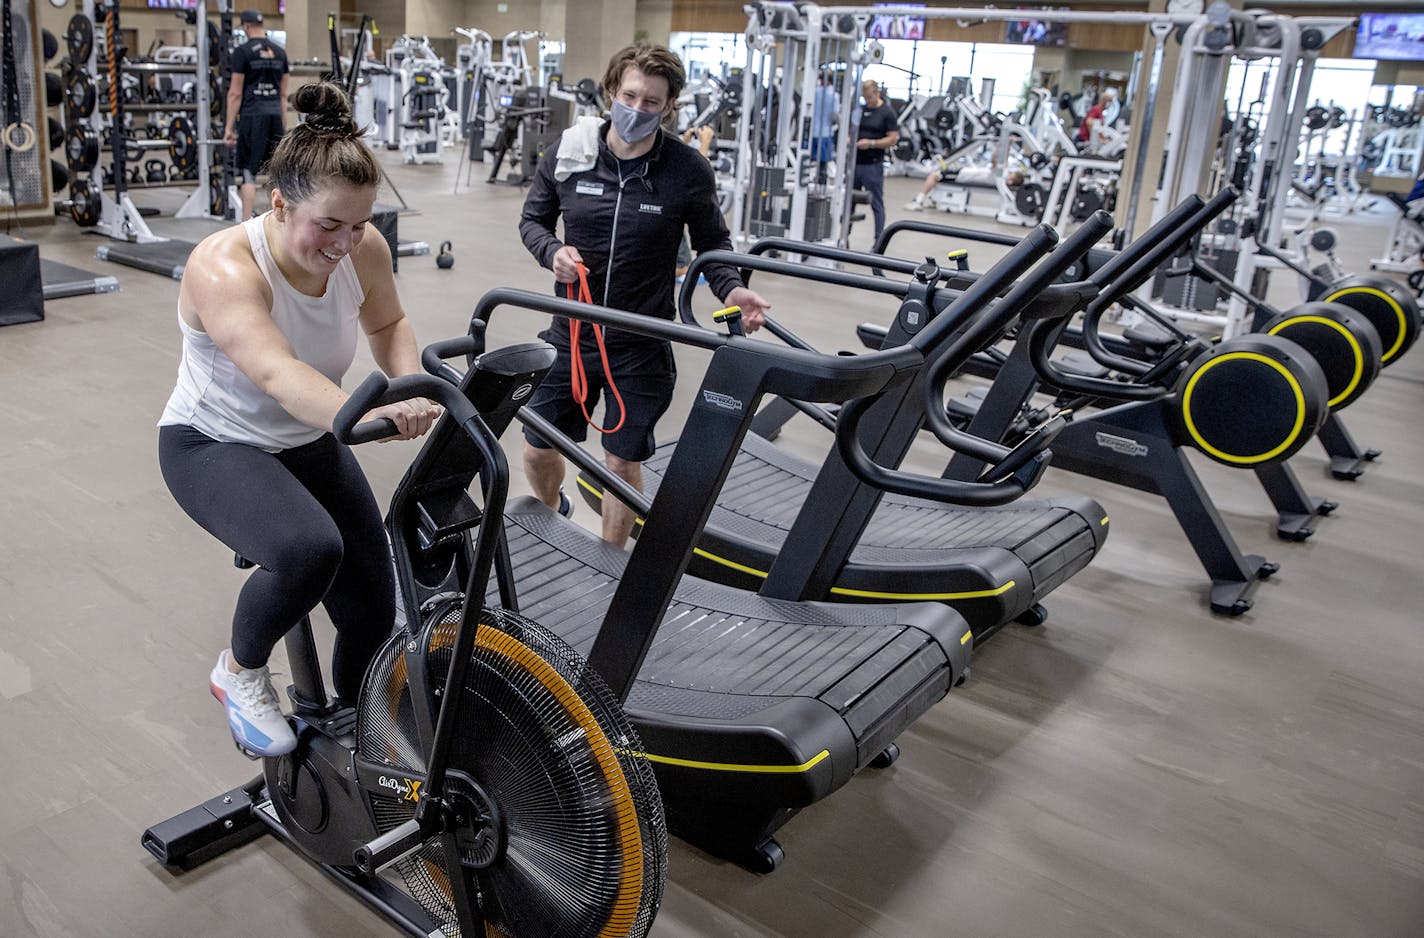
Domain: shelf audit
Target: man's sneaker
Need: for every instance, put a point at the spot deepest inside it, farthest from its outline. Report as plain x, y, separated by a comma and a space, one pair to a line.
915, 205
253, 713
566, 505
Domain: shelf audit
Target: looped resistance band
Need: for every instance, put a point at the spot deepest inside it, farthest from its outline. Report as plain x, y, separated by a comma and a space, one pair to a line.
578, 378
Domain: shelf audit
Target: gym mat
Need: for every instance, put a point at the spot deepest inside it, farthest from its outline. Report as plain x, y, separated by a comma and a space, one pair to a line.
166, 258
61, 280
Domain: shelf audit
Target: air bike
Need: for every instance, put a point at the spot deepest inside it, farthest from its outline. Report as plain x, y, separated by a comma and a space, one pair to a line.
487, 779
792, 529
485, 768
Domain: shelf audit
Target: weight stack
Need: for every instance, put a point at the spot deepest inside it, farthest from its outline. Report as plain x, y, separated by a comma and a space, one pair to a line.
31, 167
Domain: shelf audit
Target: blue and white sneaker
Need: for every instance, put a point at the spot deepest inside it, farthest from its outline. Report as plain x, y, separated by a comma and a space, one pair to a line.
253, 713
566, 506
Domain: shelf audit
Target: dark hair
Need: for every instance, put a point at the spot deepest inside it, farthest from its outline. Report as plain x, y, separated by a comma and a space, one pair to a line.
650, 60
325, 147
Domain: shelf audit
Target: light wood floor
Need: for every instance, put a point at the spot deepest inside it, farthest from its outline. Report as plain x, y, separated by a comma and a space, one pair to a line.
1136, 767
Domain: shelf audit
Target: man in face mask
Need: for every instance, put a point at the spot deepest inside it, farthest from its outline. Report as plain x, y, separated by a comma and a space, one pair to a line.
625, 190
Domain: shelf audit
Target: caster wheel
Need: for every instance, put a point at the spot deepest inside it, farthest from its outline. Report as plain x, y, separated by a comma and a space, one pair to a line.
766, 858
1267, 569
1033, 616
1371, 455
888, 757
1326, 508
1296, 536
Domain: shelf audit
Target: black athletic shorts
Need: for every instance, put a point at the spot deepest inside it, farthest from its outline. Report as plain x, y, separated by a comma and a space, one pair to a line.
257, 137
644, 373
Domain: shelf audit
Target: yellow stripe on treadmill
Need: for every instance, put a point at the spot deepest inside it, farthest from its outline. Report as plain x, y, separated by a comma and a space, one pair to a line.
739, 766
967, 594
967, 637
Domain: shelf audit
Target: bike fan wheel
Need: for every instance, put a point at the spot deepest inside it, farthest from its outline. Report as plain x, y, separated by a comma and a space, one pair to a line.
565, 835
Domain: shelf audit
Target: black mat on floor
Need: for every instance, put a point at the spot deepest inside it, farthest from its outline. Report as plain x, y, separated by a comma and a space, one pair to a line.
61, 280
157, 257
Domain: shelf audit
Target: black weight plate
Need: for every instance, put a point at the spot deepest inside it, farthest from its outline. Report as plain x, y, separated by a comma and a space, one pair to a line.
182, 143
79, 94
50, 46
81, 147
79, 37
56, 137
58, 176
85, 205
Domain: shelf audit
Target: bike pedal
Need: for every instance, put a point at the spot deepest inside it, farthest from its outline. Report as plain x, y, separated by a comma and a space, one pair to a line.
255, 757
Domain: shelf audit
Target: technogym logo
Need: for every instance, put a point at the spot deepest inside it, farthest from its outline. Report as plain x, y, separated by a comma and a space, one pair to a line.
408, 790
723, 401
1120, 444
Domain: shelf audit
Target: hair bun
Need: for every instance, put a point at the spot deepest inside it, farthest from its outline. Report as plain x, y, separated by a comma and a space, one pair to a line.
324, 103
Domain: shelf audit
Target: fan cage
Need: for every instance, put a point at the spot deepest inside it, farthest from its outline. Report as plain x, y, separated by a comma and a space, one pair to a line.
585, 848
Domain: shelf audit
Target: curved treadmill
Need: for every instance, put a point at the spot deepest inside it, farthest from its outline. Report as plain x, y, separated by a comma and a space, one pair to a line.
787, 527
990, 564
749, 707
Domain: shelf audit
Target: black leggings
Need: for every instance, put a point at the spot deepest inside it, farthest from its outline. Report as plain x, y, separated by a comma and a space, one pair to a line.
307, 518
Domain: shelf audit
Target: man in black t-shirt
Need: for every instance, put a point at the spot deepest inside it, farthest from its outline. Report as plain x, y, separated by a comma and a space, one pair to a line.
879, 131
256, 104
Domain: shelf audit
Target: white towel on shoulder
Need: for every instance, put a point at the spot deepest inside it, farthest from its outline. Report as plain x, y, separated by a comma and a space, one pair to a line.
578, 148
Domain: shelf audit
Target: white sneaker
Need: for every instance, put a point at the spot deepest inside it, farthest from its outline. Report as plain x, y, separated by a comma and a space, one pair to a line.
915, 205
253, 713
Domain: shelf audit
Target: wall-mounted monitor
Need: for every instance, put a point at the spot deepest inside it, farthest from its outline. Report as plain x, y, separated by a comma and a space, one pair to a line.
896, 27
1030, 32
1390, 36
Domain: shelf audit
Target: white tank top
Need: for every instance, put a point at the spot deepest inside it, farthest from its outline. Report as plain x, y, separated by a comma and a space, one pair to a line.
213, 396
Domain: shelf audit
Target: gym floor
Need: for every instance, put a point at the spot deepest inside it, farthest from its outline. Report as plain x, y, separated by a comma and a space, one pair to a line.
1135, 767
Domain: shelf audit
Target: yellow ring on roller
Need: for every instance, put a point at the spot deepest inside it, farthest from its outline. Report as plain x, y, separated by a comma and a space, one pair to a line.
1359, 352
1393, 350
1228, 457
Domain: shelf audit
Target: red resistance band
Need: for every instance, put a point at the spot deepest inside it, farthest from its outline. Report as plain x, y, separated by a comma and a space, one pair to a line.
578, 378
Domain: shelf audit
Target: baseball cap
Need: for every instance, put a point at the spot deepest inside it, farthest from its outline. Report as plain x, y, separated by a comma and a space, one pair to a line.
251, 16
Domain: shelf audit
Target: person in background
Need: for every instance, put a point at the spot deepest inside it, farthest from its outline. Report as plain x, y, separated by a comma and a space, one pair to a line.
825, 109
1097, 114
625, 190
879, 131
256, 105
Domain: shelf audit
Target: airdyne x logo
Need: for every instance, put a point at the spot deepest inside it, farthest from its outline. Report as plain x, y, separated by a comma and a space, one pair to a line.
1120, 444
724, 401
408, 790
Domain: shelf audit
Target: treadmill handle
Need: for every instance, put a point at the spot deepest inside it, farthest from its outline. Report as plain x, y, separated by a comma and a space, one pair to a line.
1016, 472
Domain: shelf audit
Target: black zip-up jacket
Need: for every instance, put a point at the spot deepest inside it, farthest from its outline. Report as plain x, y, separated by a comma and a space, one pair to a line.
632, 225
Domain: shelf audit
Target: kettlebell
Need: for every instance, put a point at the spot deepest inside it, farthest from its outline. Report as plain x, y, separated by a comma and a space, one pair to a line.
445, 260
156, 171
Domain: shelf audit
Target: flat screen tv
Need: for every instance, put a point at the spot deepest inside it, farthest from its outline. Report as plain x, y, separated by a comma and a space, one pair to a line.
896, 27
1030, 32
1390, 36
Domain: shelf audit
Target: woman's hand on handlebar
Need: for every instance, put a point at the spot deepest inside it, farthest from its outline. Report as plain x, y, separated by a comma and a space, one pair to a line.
566, 261
753, 307
412, 418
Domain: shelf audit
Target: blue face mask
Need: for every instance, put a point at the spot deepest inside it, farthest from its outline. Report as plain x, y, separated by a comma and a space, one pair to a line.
634, 125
